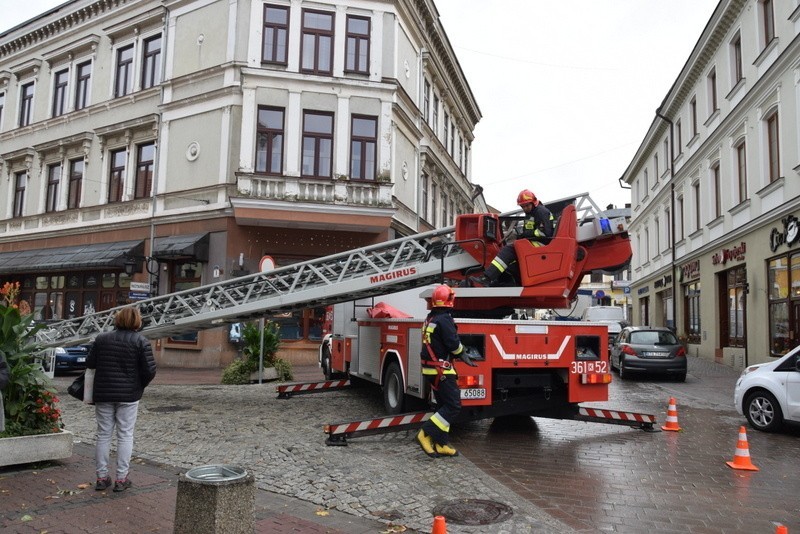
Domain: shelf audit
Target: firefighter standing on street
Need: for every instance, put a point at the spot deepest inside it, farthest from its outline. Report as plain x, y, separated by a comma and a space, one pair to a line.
441, 345
538, 227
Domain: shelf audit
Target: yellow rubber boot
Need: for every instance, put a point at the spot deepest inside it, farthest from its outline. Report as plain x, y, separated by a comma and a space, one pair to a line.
426, 443
446, 450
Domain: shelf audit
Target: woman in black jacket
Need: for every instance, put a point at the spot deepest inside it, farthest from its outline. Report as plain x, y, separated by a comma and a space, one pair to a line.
124, 365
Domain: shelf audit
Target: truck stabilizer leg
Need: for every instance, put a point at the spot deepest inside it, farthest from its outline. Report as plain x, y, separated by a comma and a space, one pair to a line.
299, 388
642, 421
338, 433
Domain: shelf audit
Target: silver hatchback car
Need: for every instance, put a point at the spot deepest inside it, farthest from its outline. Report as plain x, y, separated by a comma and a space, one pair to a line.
648, 349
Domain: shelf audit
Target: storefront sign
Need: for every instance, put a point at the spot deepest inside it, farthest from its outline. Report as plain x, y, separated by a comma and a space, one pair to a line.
643, 290
732, 254
690, 271
789, 235
661, 282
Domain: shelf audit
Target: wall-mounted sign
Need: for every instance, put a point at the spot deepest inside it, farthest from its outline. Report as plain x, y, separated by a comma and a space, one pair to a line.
788, 236
730, 254
690, 271
643, 290
664, 281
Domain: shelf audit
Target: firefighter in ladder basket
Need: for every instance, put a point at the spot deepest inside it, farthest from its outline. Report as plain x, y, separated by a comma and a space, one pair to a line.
441, 345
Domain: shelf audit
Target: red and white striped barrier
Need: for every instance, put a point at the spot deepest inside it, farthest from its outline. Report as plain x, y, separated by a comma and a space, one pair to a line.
596, 415
298, 388
337, 433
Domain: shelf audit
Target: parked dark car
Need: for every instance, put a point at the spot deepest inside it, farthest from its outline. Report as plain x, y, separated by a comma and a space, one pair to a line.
71, 358
647, 349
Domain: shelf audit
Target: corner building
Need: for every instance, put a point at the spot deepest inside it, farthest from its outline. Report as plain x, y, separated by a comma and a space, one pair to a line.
153, 146
716, 195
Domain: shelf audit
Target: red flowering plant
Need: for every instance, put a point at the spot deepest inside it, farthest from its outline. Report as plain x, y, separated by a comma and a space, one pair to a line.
30, 404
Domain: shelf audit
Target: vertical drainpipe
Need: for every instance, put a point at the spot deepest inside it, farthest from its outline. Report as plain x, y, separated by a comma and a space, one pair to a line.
671, 214
420, 99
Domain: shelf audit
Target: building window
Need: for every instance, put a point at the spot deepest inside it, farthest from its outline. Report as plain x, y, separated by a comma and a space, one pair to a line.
60, 92
300, 325
784, 303
53, 178
424, 203
657, 233
717, 193
145, 158
452, 137
427, 101
434, 194
736, 59
269, 140
185, 276
317, 144
665, 144
357, 54
20, 181
124, 74
644, 310
363, 147
693, 114
151, 62
82, 79
26, 104
116, 178
75, 183
435, 119
768, 18
646, 183
2, 105
773, 148
741, 170
667, 228
276, 34
655, 169
446, 129
732, 284
697, 218
444, 208
712, 91
678, 136
680, 218
317, 43
691, 303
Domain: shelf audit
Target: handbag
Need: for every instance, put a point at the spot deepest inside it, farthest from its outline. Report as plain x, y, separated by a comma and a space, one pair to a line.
76, 388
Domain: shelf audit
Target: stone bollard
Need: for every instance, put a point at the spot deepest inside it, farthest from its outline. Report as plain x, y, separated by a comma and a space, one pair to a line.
215, 499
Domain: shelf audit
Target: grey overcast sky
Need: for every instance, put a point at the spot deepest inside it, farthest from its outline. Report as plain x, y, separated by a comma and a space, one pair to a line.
567, 89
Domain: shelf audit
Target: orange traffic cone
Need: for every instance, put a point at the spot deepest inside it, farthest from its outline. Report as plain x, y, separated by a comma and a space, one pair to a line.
741, 458
781, 529
439, 525
672, 417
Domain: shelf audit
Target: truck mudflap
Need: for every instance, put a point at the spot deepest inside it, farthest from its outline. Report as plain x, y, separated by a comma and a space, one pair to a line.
339, 432
299, 388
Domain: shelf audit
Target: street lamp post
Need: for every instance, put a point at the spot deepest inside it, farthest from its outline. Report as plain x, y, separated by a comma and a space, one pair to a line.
132, 265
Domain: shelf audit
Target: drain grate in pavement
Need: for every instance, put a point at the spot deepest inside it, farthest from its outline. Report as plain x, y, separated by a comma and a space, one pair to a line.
170, 409
473, 511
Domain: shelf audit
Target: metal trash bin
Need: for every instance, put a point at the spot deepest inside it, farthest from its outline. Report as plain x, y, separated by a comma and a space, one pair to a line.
215, 499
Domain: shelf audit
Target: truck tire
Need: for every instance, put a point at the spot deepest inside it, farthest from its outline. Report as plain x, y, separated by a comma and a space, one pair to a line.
393, 389
763, 411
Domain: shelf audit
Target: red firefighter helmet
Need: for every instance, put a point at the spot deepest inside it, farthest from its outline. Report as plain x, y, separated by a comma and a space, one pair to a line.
443, 297
526, 196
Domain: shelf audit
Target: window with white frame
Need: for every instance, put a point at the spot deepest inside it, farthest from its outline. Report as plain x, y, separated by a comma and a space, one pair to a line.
20, 183
693, 116
711, 82
145, 162
116, 174
767, 18
363, 147
697, 210
667, 228
657, 233
736, 59
26, 104
679, 218
773, 147
317, 144
656, 172
446, 129
317, 42
2, 107
665, 144
53, 180
269, 140
276, 35
741, 170
424, 201
357, 45
426, 104
435, 119
123, 77
151, 61
60, 86
715, 185
75, 183
678, 140
434, 194
83, 78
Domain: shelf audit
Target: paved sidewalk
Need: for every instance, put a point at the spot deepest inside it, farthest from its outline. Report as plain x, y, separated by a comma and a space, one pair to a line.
59, 497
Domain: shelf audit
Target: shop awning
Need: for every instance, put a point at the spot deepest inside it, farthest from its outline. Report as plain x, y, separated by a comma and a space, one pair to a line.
192, 246
96, 255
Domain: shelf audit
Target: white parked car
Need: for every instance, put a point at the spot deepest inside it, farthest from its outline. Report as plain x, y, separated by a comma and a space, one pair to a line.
611, 316
768, 394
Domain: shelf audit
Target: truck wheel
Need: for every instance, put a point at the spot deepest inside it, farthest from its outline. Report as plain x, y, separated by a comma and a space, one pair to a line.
326, 362
763, 411
393, 389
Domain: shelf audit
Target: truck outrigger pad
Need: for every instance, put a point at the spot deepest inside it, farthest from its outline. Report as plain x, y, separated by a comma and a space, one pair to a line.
299, 388
338, 433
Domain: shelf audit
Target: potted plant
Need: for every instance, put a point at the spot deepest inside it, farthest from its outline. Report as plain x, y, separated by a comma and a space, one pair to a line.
245, 369
33, 430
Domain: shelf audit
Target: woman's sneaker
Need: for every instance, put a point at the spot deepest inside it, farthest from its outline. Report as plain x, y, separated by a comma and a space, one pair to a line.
102, 483
122, 485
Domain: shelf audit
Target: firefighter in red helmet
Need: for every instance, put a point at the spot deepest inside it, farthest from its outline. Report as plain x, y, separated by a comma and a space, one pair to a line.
538, 226
440, 346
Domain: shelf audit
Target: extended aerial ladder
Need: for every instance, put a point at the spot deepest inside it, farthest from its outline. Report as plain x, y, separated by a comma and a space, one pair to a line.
388, 267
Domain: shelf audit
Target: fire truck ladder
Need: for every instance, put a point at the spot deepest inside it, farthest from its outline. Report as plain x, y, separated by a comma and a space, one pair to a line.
375, 270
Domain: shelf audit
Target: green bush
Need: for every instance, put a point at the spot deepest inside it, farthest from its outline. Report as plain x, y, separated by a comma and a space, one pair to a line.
239, 371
